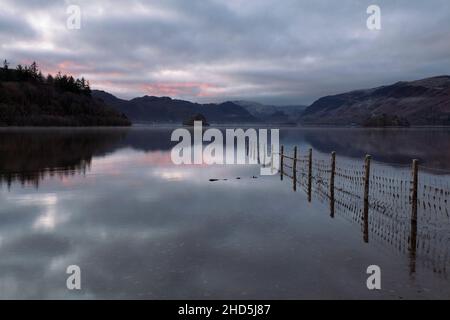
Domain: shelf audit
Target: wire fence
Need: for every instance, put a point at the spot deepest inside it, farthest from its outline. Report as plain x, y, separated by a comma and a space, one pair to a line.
406, 207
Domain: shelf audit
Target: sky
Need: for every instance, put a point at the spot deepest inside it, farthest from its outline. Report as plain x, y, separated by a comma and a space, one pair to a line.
269, 51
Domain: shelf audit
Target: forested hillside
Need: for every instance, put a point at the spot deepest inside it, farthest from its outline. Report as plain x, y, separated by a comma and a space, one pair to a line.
27, 98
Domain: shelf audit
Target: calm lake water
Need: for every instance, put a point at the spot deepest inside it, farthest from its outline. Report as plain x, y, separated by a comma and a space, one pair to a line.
112, 202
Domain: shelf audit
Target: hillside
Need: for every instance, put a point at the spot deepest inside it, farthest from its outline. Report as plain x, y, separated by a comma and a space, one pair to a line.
168, 110
29, 99
421, 102
272, 113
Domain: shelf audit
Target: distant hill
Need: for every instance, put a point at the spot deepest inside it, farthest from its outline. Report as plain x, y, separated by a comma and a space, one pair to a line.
29, 99
421, 102
168, 110
272, 113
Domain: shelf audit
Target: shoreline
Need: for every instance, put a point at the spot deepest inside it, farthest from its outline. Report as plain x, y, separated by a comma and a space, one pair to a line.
228, 125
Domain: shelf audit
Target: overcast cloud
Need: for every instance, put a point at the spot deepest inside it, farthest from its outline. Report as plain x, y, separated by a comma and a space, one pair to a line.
271, 51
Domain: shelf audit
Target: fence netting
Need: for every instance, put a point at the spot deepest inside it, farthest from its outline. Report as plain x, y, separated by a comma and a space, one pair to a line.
390, 198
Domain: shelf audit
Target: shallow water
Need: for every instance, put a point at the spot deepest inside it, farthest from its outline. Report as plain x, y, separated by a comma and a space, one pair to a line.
111, 202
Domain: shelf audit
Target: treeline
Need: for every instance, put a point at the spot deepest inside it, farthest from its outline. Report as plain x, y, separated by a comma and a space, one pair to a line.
29, 99
32, 74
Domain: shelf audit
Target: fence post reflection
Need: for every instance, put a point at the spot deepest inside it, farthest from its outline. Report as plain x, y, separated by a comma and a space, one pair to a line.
294, 169
366, 198
413, 235
309, 174
332, 173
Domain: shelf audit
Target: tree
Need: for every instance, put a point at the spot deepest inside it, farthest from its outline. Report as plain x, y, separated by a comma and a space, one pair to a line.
34, 70
4, 72
50, 79
71, 84
20, 73
40, 77
87, 89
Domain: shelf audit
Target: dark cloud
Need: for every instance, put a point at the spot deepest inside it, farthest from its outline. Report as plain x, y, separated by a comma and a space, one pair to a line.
289, 52
14, 28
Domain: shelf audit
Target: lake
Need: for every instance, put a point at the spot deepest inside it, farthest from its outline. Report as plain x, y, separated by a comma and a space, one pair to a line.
110, 201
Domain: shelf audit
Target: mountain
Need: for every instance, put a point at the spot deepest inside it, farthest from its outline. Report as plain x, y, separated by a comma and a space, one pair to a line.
272, 113
165, 109
420, 102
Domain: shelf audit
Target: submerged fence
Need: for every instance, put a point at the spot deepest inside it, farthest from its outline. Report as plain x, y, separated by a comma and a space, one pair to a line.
404, 206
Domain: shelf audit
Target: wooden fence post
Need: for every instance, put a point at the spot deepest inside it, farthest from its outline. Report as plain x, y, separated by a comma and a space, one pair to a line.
413, 236
281, 162
294, 169
310, 175
332, 173
366, 197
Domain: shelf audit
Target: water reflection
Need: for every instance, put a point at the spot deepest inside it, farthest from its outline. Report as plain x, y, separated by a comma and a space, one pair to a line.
430, 146
28, 156
140, 227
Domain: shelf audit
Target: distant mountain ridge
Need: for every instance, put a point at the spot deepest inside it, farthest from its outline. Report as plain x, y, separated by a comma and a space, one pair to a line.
272, 113
420, 102
165, 109
168, 110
